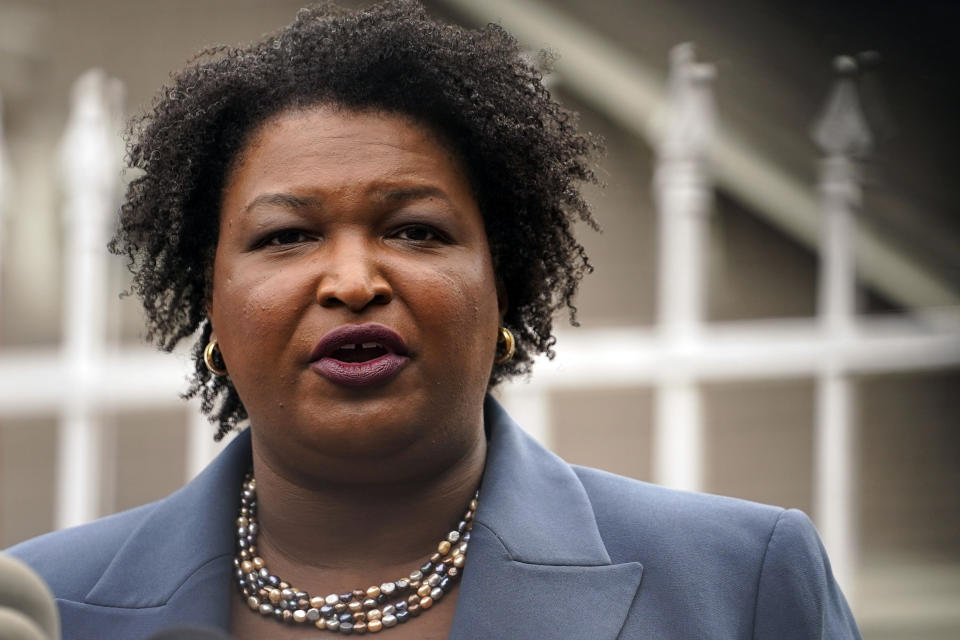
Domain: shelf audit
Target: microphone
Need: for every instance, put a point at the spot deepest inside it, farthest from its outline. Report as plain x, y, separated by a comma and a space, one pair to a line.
27, 608
190, 633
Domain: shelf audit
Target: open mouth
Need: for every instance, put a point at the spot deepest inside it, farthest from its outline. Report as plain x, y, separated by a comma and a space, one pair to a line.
359, 352
360, 355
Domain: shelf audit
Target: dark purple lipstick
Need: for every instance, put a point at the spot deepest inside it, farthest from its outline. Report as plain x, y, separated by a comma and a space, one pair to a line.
359, 355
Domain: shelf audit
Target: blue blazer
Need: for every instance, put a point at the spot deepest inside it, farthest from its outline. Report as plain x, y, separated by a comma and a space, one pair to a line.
557, 551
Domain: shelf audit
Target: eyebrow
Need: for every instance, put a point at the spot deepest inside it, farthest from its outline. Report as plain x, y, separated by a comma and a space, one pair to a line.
388, 194
394, 194
284, 200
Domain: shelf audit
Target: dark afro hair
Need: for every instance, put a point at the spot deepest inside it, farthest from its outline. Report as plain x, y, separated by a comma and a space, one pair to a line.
475, 89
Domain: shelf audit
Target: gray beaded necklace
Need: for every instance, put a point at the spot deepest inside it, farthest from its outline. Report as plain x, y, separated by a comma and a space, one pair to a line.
360, 611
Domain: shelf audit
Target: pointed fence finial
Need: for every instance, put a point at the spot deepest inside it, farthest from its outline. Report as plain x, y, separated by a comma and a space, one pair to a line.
690, 122
842, 129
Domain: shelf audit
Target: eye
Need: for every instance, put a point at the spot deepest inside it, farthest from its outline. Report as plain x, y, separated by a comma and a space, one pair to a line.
419, 233
286, 237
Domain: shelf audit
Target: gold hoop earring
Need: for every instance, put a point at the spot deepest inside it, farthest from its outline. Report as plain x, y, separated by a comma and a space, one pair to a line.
509, 346
208, 354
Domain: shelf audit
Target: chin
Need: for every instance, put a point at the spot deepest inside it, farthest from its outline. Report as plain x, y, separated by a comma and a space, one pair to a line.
371, 427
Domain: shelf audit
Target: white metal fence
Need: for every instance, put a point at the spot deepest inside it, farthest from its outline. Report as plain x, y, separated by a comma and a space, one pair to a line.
683, 351
89, 375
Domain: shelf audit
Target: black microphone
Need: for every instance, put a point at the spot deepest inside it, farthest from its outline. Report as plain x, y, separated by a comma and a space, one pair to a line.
190, 633
27, 608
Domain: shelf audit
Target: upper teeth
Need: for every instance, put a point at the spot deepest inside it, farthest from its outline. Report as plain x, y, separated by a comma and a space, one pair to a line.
365, 345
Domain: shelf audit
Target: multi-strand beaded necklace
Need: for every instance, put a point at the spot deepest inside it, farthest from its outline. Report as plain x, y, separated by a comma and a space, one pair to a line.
360, 611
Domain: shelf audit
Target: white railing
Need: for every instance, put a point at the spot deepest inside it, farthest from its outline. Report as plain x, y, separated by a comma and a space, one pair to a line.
89, 376
682, 351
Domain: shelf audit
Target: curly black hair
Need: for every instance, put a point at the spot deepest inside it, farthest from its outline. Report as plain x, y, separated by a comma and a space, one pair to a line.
521, 150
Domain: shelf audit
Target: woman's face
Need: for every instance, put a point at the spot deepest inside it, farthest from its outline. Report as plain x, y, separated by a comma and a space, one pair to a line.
354, 298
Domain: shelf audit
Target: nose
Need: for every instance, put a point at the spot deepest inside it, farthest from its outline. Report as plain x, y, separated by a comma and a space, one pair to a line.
352, 278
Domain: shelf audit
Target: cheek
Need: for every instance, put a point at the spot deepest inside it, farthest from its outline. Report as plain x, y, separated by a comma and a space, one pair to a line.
252, 306
461, 306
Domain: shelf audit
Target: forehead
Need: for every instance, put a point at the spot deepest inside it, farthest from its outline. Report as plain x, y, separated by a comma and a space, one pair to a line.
339, 147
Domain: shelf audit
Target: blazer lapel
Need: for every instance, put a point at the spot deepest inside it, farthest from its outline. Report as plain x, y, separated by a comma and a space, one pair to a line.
537, 566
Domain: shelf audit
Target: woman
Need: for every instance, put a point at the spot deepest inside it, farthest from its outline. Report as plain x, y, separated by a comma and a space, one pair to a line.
367, 216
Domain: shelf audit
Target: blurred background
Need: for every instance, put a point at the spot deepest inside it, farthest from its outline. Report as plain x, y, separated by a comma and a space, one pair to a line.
775, 312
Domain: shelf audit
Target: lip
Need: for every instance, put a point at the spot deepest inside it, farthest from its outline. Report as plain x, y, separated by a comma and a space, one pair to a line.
360, 374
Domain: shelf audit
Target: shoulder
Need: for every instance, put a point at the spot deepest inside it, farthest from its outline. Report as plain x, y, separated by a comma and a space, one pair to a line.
636, 516
72, 560
763, 565
797, 589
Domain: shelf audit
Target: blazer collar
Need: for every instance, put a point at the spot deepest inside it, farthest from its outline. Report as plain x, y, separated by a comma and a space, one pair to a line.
537, 563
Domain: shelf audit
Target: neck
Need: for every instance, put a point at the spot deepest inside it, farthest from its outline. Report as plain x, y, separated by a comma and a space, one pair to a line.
319, 534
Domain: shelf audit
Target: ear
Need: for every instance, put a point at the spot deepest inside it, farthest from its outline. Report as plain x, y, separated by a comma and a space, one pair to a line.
502, 301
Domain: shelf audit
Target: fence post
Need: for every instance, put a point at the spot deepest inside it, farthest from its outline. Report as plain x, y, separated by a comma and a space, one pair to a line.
843, 136
90, 166
683, 193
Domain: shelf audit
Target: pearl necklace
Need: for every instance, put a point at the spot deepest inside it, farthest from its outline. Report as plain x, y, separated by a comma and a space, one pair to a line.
359, 611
